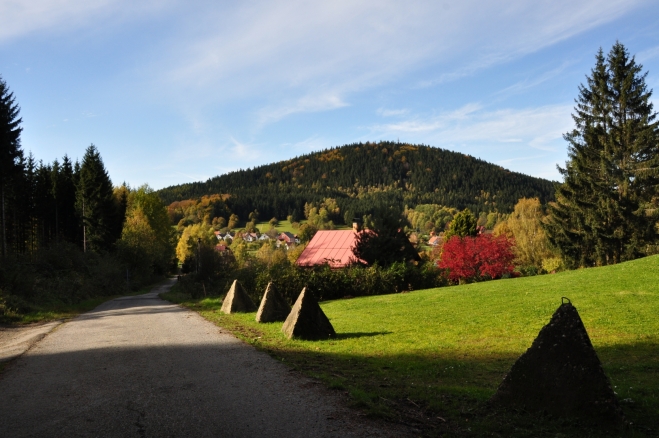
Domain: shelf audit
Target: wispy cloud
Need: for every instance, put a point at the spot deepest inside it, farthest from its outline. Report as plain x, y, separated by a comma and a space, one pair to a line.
531, 82
296, 48
392, 113
537, 128
309, 103
648, 54
19, 18
503, 136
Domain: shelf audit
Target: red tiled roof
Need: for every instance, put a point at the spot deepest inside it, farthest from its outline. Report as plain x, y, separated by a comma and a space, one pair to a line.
329, 246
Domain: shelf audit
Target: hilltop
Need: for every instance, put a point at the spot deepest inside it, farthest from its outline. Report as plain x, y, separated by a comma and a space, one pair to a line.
361, 175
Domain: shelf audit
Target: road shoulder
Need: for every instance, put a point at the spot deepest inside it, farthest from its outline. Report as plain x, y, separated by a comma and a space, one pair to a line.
14, 341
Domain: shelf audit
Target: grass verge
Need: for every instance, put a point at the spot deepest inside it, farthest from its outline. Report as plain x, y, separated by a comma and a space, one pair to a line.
55, 309
433, 358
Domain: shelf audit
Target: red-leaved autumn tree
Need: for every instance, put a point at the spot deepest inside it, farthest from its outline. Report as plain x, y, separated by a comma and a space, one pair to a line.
475, 258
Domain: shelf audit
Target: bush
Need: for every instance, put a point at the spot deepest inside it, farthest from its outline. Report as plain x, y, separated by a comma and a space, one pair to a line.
59, 273
553, 264
325, 282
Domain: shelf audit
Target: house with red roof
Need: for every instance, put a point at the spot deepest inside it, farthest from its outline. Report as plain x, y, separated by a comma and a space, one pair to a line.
435, 240
329, 246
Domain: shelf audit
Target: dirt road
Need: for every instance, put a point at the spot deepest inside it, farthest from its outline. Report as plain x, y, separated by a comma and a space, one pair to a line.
139, 366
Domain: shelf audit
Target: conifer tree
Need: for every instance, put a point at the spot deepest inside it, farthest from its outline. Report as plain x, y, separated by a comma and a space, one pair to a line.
10, 149
463, 224
385, 241
66, 201
96, 204
604, 210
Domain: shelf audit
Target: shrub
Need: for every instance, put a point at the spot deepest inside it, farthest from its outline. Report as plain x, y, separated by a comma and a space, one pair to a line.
553, 264
477, 258
60, 273
325, 282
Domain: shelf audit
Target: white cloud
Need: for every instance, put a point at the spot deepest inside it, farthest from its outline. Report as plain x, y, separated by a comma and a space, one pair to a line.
526, 84
19, 18
504, 136
392, 113
538, 128
283, 51
648, 54
309, 103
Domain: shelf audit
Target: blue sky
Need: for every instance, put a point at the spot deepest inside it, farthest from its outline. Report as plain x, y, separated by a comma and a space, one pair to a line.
179, 91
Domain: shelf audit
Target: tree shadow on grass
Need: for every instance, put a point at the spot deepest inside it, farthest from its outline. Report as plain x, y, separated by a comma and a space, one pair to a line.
360, 335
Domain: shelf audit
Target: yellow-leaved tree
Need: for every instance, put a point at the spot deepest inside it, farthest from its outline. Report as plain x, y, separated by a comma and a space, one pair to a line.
147, 240
525, 225
192, 236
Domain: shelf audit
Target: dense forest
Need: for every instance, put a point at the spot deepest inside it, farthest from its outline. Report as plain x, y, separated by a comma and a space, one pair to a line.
363, 175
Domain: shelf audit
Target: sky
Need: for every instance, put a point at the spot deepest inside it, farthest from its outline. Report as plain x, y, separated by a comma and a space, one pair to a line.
176, 91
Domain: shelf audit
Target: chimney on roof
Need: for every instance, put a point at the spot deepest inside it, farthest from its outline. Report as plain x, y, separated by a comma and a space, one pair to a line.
356, 225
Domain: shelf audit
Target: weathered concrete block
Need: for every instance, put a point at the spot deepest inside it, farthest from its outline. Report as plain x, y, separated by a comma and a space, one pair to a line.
307, 320
237, 300
561, 374
273, 306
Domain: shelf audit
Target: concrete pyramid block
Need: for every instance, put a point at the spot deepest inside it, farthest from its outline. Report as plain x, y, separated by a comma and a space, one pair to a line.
561, 374
237, 300
273, 306
307, 320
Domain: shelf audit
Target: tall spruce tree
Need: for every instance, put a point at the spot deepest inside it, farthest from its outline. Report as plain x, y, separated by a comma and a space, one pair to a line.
95, 203
10, 150
604, 211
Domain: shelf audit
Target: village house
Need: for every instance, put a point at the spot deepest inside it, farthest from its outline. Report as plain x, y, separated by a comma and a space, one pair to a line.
250, 237
333, 247
434, 240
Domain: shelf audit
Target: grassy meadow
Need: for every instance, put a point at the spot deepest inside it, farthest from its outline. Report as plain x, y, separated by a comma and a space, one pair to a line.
433, 358
284, 226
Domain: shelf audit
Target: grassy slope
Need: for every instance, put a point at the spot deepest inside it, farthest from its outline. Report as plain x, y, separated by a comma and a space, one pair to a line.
442, 352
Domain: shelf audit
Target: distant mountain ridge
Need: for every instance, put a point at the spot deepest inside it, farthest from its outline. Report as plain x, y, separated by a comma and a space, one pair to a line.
362, 175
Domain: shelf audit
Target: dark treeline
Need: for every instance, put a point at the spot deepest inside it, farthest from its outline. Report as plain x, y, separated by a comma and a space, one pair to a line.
66, 233
362, 176
60, 202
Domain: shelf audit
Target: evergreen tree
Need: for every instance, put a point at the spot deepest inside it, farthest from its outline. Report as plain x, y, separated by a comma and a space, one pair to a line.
96, 204
604, 210
64, 192
385, 241
462, 225
10, 151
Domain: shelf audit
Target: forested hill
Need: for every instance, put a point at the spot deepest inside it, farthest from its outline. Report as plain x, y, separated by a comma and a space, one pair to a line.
359, 176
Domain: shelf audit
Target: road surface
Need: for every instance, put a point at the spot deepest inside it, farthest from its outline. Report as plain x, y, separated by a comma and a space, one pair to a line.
140, 366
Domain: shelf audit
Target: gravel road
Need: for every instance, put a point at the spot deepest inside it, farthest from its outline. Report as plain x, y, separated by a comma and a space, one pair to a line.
140, 366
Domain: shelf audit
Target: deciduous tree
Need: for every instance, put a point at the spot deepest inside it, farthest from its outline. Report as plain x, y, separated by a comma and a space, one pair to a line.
477, 258
531, 243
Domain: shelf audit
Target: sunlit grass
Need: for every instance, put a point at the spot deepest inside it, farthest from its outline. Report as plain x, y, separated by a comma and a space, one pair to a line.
442, 352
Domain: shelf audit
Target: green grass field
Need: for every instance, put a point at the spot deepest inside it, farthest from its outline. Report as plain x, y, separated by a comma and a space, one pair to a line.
286, 226
281, 227
433, 358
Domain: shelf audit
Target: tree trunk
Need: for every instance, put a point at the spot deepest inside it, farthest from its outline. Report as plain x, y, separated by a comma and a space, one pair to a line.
4, 228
